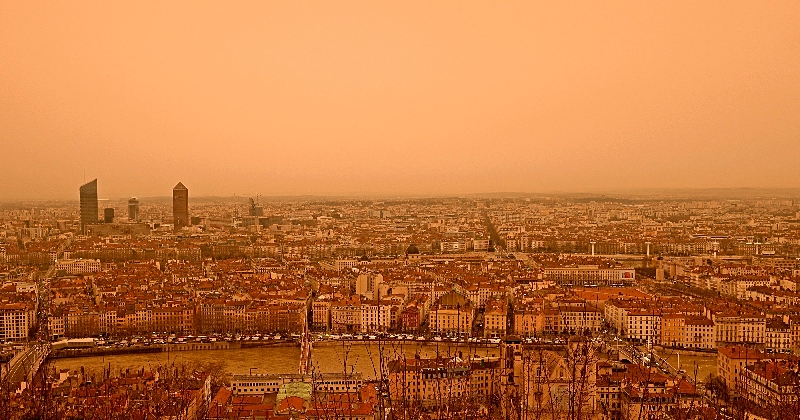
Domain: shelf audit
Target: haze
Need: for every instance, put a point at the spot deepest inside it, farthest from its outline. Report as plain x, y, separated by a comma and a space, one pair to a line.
289, 98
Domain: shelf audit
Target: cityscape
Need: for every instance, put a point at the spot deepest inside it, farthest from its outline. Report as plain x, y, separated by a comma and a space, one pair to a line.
361, 210
476, 307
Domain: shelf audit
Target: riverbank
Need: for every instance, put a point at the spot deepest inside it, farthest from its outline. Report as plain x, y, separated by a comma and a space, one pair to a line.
236, 345
364, 357
686, 352
165, 348
698, 365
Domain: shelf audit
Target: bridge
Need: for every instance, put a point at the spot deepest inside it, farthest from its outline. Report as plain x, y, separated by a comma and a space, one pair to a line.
22, 368
634, 355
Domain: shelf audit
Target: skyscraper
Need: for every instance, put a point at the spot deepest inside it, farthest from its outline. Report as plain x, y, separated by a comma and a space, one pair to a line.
180, 206
108, 215
133, 209
255, 209
89, 207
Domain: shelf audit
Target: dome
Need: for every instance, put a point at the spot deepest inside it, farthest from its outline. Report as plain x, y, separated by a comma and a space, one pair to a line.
453, 299
412, 249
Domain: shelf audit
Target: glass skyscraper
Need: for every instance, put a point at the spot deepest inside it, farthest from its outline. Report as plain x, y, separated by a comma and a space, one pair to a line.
89, 207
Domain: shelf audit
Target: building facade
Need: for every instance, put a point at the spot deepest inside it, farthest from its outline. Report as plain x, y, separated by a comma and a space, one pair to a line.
180, 206
133, 209
89, 207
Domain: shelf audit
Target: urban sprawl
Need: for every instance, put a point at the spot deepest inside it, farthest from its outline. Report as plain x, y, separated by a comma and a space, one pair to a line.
535, 307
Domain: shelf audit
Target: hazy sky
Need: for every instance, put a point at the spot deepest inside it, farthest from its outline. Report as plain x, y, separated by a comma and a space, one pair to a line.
325, 97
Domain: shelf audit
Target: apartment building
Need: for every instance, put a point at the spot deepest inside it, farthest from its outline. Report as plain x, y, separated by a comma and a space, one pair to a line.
16, 320
452, 313
642, 325
495, 318
777, 336
772, 384
78, 266
592, 275
429, 381
731, 362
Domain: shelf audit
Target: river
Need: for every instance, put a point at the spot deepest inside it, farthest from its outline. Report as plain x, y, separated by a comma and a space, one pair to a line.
326, 357
706, 364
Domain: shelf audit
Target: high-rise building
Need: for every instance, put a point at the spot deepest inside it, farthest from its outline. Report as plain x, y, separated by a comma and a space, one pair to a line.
133, 209
108, 215
255, 209
89, 207
180, 206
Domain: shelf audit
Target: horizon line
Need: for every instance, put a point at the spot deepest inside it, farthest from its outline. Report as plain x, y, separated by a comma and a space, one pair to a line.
619, 193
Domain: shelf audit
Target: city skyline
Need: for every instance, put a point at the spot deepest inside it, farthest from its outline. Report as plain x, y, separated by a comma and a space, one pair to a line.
732, 193
637, 291
411, 99
406, 210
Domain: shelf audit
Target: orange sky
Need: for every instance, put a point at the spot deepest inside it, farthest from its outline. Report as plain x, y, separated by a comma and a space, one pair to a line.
285, 97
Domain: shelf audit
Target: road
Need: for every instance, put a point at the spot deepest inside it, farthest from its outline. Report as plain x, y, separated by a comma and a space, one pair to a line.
25, 364
493, 235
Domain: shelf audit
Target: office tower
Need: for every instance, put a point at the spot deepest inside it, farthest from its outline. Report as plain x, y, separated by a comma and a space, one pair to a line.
180, 206
89, 207
133, 209
108, 215
255, 210
252, 207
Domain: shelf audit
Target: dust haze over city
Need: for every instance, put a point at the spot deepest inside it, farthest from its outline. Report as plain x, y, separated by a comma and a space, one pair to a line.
400, 210
411, 98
